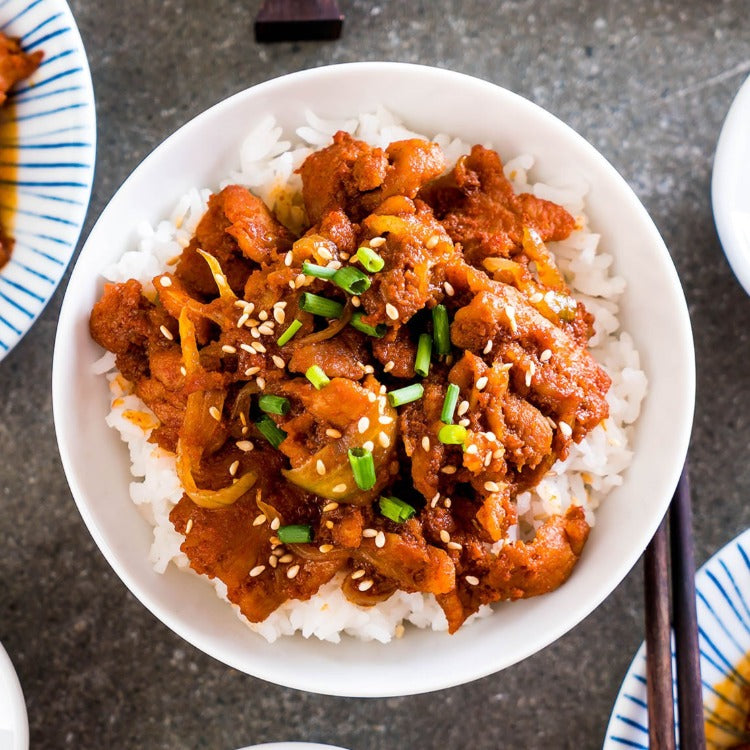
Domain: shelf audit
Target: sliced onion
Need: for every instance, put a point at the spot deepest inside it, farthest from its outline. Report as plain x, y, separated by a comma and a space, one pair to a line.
335, 327
188, 343
221, 280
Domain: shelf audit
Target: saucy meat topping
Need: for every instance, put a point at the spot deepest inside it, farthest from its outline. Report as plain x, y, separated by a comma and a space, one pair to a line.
282, 372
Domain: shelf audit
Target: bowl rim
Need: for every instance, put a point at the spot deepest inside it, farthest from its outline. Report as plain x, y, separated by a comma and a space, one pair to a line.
567, 620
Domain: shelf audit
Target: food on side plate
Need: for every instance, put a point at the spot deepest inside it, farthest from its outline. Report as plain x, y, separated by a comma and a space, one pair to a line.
370, 401
15, 65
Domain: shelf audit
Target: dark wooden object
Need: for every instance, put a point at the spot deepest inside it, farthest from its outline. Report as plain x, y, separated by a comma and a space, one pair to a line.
295, 20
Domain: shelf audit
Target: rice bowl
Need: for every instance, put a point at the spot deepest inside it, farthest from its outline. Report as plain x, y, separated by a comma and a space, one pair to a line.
653, 311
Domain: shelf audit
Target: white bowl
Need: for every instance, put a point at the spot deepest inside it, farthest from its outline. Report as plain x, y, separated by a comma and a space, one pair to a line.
653, 310
14, 725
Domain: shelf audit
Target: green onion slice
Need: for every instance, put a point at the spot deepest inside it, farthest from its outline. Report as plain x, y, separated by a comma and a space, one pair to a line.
441, 330
317, 377
449, 404
395, 509
452, 434
406, 395
274, 404
271, 431
370, 259
286, 337
317, 305
377, 331
363, 468
319, 272
295, 534
352, 280
424, 350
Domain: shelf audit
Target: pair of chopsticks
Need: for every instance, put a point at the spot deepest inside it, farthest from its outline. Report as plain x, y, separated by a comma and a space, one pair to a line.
658, 641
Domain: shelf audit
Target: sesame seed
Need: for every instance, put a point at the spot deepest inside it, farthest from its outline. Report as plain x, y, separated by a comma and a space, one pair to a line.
499, 453
377, 241
448, 469
291, 284
275, 524
536, 297
426, 443
432, 242
325, 548
258, 347
510, 311
490, 436
245, 430
249, 349
339, 488
288, 258
487, 347
545, 355
447, 502
482, 382
324, 253
255, 333
333, 433
229, 349
263, 315
257, 570
279, 551
391, 311
188, 526
183, 371
279, 315
385, 420
292, 572
445, 537
344, 256
278, 361
300, 280
273, 561
251, 371
565, 429
233, 468
166, 333
260, 382
265, 329
362, 425
241, 303
286, 558
320, 467
165, 281
472, 580
369, 369
329, 524
491, 486
215, 413
369, 533
260, 520
449, 290
357, 574
330, 506
472, 449
487, 460
527, 378
389, 366
380, 540
434, 501
371, 397
365, 585
464, 422
384, 440
275, 541
356, 302
369, 446
454, 545
463, 407
242, 320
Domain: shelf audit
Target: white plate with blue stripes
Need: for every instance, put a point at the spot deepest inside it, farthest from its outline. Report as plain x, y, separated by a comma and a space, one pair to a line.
723, 603
47, 153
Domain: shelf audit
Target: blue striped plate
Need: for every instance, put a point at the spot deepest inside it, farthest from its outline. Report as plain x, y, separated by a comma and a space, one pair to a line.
47, 152
723, 592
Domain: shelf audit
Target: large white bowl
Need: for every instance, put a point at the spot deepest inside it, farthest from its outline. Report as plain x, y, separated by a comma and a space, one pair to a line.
429, 100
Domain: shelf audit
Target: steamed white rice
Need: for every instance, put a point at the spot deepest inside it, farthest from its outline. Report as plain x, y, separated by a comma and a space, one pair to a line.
267, 163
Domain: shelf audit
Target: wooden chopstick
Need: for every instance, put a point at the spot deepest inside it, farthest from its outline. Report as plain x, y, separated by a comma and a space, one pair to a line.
658, 647
689, 694
658, 643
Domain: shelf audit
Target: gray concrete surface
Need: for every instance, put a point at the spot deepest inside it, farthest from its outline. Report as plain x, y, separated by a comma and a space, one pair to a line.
648, 83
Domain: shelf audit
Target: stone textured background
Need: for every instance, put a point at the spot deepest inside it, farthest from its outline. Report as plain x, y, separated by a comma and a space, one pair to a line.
649, 84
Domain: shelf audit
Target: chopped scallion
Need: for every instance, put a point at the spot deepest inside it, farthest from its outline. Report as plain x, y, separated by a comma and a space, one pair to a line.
319, 272
424, 350
370, 259
287, 336
317, 305
271, 431
441, 330
377, 331
363, 468
452, 434
449, 404
274, 404
317, 377
395, 509
352, 280
295, 534
406, 395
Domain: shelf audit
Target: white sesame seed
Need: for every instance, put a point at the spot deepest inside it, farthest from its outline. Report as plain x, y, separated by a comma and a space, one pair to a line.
491, 486
325, 548
362, 425
286, 559
432, 242
371, 397
292, 572
329, 524
229, 349
320, 467
536, 297
344, 256
449, 290
324, 252
357, 574
365, 585
545, 355
385, 420
258, 347
260, 382
260, 520
369, 446
565, 429
510, 311
278, 361
263, 315
384, 440
454, 545
472, 580
369, 533
233, 468
482, 382
527, 378
165, 281
288, 259
377, 241
426, 443
279, 551
472, 449
490, 436
247, 348
166, 333
435, 499
498, 453
242, 320
369, 369
257, 570
333, 433
463, 407
487, 347
215, 413
279, 315
300, 280
251, 371
265, 329
391, 311
273, 561
255, 333
380, 540
275, 524
330, 506
445, 537
291, 284
487, 460
448, 469
188, 526
464, 422
339, 488
389, 366
183, 371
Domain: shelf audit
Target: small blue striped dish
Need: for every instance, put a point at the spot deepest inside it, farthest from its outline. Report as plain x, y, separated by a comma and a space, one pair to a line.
723, 603
47, 153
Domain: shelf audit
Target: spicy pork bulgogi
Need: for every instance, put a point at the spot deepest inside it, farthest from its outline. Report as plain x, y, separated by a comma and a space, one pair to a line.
369, 398
15, 65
